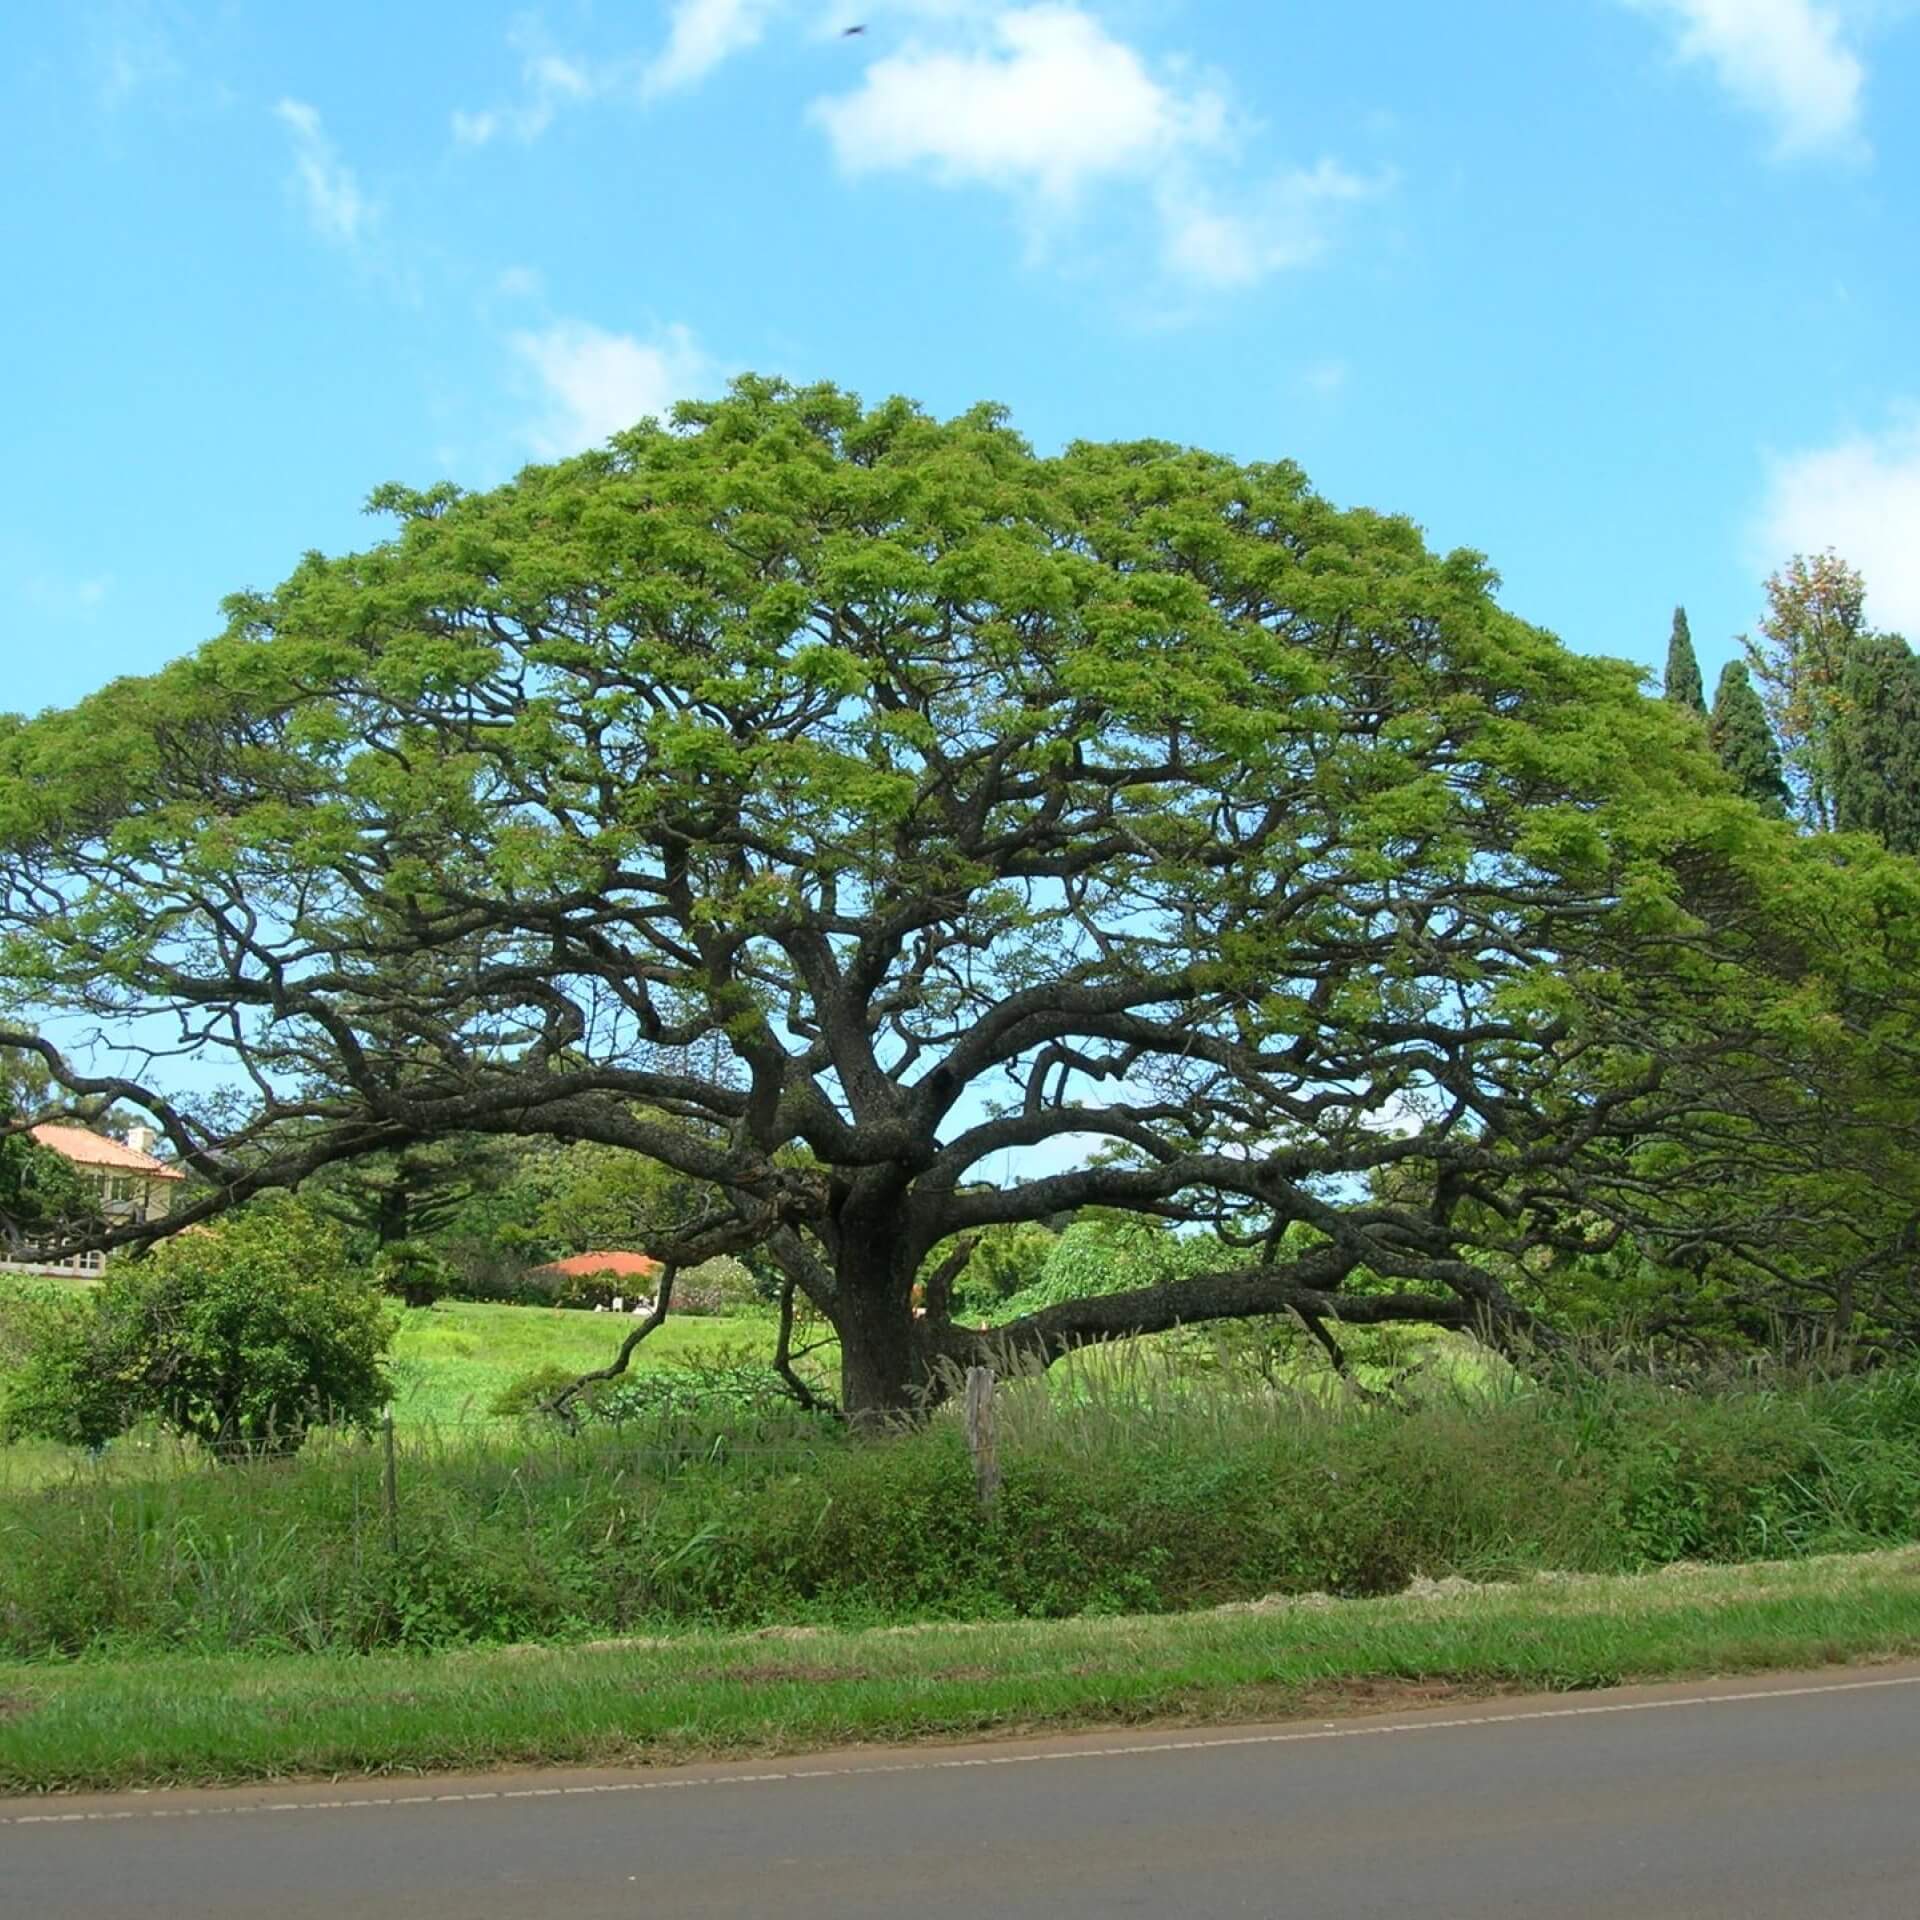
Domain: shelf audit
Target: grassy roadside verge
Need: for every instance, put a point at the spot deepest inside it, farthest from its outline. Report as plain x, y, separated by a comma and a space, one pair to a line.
100, 1724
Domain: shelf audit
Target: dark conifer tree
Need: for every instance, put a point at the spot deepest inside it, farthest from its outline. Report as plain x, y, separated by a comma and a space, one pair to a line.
1876, 770
1683, 685
1744, 742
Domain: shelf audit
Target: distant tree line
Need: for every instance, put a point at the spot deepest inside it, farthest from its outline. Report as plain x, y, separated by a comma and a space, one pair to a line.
1830, 736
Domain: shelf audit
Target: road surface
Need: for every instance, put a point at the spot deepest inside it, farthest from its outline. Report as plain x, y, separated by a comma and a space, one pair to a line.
1785, 1797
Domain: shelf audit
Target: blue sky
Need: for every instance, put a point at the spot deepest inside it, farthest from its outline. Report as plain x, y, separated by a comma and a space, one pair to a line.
1621, 292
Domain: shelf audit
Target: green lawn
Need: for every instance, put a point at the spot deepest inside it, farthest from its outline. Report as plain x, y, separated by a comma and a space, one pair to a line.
451, 1360
177, 1719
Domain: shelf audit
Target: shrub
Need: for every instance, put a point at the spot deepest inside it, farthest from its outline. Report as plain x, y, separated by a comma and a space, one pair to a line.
26, 1312
1105, 1254
719, 1286
243, 1335
413, 1273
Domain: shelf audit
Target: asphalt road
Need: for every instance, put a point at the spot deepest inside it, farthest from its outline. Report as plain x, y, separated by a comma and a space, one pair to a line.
1795, 1797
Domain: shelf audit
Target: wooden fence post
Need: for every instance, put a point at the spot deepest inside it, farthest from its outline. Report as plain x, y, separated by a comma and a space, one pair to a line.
390, 1489
980, 1440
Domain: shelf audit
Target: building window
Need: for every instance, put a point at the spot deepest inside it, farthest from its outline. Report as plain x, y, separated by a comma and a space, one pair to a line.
120, 1187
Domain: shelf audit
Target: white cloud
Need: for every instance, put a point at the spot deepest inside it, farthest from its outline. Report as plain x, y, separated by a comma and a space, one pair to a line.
1044, 104
703, 33
1050, 104
595, 383
520, 283
1860, 496
1787, 59
335, 206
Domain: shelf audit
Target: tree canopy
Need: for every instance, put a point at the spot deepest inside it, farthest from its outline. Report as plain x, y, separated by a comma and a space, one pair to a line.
897, 835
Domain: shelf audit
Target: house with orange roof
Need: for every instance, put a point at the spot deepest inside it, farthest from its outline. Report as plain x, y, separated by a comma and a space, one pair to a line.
129, 1182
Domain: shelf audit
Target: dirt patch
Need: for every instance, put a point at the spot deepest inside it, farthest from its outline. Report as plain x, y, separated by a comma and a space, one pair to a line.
963, 1673
1451, 1588
1385, 1693
12, 1707
1281, 1603
778, 1672
786, 1633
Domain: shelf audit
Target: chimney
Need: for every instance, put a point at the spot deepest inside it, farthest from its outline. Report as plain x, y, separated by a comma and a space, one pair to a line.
142, 1140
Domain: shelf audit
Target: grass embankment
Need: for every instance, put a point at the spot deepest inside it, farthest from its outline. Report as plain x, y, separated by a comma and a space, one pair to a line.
1123, 1494
181, 1719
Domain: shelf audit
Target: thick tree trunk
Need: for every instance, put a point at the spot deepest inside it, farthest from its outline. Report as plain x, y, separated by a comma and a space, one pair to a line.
885, 1369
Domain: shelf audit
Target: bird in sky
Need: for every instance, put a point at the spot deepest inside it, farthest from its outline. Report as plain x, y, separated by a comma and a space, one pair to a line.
847, 33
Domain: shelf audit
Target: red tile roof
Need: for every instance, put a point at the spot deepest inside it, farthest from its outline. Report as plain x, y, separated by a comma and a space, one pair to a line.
629, 1265
96, 1150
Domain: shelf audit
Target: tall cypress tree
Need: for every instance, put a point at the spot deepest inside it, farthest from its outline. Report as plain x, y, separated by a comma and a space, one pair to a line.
1739, 734
1683, 685
1876, 746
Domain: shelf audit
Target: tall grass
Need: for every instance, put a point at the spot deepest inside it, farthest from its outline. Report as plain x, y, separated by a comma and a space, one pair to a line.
1129, 1486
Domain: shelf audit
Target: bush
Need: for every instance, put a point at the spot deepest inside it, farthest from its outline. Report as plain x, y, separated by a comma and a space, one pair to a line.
243, 1336
27, 1311
1108, 1254
720, 1286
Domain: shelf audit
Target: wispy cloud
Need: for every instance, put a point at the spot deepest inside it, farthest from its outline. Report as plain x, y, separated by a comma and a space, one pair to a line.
1288, 222
66, 599
549, 81
593, 383
134, 54
703, 33
1792, 61
335, 206
1042, 103
1859, 495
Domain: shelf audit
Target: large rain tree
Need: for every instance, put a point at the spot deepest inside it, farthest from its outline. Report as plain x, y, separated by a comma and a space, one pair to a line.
897, 835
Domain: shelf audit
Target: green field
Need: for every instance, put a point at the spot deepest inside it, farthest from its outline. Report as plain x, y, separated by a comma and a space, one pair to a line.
450, 1363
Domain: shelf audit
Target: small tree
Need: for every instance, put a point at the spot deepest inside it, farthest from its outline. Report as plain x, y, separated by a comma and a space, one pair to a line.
1682, 685
244, 1335
1744, 742
413, 1273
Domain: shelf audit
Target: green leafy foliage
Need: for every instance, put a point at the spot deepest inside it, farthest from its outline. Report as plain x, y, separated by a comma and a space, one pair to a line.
243, 1336
1816, 615
42, 1194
